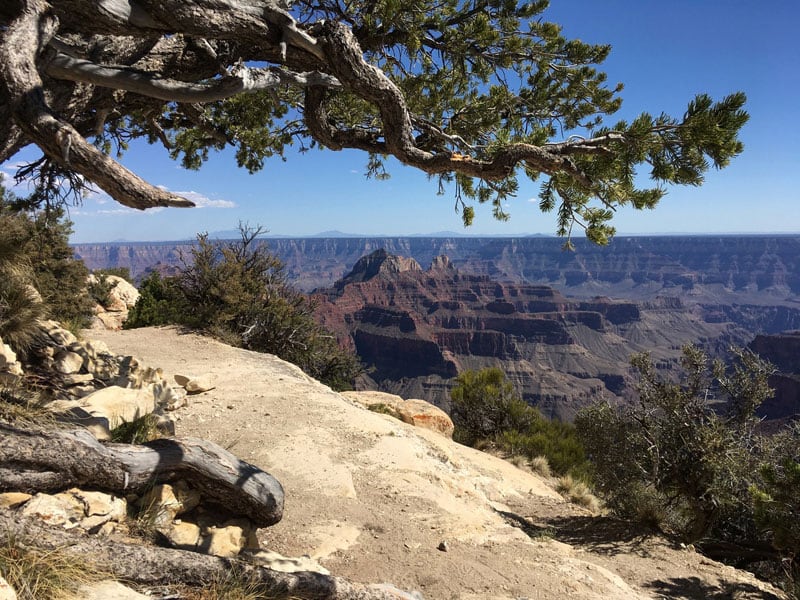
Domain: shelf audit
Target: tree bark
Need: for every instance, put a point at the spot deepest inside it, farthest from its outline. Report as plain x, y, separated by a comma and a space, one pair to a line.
38, 460
149, 565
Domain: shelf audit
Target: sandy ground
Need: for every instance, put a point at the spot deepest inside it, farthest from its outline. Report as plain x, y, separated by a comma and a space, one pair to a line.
372, 499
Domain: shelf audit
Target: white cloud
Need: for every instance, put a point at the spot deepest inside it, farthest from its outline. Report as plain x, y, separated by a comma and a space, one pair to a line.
202, 201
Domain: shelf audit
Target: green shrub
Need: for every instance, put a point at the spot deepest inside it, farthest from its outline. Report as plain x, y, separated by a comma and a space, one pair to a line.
39, 276
160, 303
676, 449
485, 407
238, 292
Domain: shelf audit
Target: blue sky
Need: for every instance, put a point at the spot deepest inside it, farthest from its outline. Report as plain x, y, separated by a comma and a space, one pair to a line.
664, 53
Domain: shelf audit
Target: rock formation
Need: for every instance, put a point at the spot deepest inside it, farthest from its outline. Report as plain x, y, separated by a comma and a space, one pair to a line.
416, 329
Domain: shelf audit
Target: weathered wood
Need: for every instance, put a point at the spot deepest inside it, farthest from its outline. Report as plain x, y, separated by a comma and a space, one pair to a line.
34, 460
149, 565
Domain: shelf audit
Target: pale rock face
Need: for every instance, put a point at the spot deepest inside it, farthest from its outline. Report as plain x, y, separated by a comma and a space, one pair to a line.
123, 293
6, 591
60, 509
182, 534
225, 542
107, 408
121, 297
76, 508
60, 336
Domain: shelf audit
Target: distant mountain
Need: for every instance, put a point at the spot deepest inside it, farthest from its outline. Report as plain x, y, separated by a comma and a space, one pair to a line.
715, 269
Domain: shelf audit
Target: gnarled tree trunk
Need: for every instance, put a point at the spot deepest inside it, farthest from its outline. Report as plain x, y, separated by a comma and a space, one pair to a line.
149, 565
36, 460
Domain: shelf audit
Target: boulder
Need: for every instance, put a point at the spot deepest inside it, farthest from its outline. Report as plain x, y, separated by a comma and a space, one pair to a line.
67, 362
123, 295
57, 334
226, 541
414, 412
164, 502
424, 414
60, 509
107, 408
8, 360
88, 510
182, 534
196, 385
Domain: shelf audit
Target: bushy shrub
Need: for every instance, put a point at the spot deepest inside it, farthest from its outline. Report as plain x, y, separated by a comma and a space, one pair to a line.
675, 461
160, 303
238, 292
485, 407
673, 444
39, 276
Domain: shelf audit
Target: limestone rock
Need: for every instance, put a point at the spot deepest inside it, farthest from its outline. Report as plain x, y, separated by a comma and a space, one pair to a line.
75, 379
182, 534
57, 334
8, 360
60, 509
165, 502
167, 397
13, 499
6, 591
278, 562
106, 409
109, 590
196, 385
101, 504
225, 542
414, 411
68, 362
123, 294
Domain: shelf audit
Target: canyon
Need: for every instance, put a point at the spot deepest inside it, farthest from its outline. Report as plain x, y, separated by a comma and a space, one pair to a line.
561, 324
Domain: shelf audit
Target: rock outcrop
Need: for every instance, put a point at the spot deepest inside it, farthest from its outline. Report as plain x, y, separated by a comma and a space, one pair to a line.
122, 296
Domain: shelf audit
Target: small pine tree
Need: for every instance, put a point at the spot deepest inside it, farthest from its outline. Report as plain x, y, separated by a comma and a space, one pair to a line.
238, 292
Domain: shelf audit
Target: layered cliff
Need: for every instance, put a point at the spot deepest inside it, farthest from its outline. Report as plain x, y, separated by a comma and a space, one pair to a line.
415, 329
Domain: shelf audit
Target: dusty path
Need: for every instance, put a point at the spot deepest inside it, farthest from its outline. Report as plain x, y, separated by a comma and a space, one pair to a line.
372, 498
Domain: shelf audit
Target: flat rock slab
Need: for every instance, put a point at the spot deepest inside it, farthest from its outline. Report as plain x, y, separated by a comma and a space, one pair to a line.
372, 498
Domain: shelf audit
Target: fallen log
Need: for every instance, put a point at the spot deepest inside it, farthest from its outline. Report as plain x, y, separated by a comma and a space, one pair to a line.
152, 565
37, 460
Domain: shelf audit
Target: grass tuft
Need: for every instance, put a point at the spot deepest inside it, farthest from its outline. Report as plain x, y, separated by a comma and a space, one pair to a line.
45, 575
541, 466
138, 431
577, 492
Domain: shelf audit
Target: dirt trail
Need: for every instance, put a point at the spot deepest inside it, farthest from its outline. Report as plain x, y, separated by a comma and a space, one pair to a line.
372, 499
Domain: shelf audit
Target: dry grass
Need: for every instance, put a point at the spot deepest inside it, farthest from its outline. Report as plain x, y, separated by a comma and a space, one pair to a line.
45, 575
234, 585
22, 406
541, 466
577, 492
140, 430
